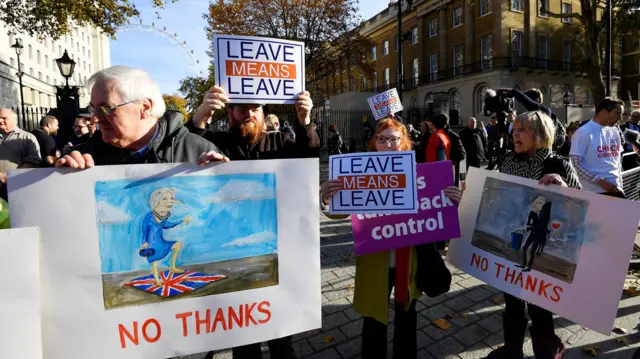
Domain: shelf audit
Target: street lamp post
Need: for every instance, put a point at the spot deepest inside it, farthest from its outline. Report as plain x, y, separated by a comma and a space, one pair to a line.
18, 47
67, 98
400, 78
566, 100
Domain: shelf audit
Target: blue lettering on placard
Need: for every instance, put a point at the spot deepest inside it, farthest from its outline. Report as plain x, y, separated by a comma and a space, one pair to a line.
229, 87
287, 54
229, 54
262, 52
287, 88
397, 197
396, 163
262, 86
275, 56
340, 168
244, 50
356, 163
247, 86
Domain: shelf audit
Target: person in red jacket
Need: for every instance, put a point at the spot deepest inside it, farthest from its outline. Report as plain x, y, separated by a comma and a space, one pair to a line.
439, 145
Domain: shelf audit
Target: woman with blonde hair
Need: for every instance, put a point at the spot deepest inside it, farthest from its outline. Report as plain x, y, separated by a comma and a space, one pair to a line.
533, 136
378, 273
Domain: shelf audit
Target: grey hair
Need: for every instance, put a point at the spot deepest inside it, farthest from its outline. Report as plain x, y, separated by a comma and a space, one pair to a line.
542, 126
132, 85
13, 113
156, 196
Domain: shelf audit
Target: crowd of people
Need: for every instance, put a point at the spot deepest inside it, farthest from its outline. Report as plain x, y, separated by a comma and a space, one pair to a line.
127, 122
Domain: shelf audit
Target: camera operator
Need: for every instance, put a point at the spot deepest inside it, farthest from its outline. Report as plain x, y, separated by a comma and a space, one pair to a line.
532, 101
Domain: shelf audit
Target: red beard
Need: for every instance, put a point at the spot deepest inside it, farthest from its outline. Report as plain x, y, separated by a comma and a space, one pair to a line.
250, 130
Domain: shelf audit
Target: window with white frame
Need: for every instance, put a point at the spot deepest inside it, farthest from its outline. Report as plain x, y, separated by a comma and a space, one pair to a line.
486, 52
46, 61
363, 82
373, 52
485, 7
385, 48
414, 35
458, 59
433, 66
31, 71
12, 39
479, 97
457, 17
30, 52
516, 47
543, 52
587, 97
433, 27
386, 78
416, 72
543, 8
38, 56
39, 75
374, 80
566, 55
566, 9
454, 100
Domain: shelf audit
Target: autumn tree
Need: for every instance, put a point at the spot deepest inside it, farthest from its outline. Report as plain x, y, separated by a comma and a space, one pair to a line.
176, 103
316, 23
54, 18
590, 28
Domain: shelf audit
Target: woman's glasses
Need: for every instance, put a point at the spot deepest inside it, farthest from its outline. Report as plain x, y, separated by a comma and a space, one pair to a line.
392, 140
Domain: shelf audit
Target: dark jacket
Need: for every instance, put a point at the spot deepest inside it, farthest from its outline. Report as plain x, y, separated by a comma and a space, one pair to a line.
473, 145
530, 105
172, 144
274, 145
457, 153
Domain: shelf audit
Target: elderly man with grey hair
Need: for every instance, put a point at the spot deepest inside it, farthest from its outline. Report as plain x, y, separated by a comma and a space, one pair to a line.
134, 127
18, 148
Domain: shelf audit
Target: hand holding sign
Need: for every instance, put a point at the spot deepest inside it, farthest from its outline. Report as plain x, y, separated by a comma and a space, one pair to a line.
214, 100
304, 104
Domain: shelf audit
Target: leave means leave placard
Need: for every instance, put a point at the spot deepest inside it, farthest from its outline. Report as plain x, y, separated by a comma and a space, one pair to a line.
259, 70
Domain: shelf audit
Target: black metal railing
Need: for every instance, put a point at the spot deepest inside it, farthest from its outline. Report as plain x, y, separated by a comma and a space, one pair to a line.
631, 177
29, 120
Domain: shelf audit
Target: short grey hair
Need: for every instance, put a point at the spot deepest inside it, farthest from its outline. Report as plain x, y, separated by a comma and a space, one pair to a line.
156, 196
13, 113
542, 125
132, 85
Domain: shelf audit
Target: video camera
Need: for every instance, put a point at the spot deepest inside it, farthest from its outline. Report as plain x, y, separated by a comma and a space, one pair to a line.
501, 103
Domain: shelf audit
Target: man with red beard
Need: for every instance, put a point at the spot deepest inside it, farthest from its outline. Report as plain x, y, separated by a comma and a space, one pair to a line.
248, 140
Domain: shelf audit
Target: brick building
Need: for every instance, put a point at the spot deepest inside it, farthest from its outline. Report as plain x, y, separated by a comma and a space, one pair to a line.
454, 50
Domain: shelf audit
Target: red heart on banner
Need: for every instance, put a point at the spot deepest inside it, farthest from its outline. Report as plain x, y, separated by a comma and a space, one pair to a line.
555, 225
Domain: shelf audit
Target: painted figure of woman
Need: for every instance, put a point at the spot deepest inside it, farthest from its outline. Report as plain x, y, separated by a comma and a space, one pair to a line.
154, 247
537, 225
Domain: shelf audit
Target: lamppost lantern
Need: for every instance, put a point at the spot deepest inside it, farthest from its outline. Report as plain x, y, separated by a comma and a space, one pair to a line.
66, 65
18, 47
566, 98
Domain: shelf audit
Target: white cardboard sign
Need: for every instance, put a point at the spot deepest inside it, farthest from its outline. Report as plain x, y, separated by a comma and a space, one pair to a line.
20, 327
374, 182
258, 69
385, 103
577, 244
245, 272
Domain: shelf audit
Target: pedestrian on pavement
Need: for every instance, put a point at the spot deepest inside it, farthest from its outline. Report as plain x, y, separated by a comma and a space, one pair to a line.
83, 128
247, 140
533, 135
336, 143
273, 123
471, 138
378, 273
596, 148
134, 128
44, 134
18, 148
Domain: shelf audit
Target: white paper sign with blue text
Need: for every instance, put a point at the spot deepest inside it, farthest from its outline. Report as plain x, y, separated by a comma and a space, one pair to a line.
385, 103
259, 70
374, 182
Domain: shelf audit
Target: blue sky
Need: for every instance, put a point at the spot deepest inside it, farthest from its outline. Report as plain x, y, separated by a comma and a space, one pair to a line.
164, 58
234, 216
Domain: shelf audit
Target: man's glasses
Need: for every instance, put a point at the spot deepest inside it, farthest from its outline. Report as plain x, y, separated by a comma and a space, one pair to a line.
104, 110
392, 140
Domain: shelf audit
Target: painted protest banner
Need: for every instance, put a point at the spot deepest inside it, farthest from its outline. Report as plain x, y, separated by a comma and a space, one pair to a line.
436, 220
258, 69
385, 103
166, 260
20, 328
562, 249
374, 182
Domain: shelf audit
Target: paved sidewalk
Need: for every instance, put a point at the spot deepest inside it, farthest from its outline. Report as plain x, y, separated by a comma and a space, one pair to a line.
473, 309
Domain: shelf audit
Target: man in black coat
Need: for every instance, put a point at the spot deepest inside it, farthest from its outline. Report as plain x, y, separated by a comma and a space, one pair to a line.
471, 138
247, 140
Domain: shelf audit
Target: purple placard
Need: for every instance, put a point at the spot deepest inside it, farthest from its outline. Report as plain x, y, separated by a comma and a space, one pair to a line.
436, 220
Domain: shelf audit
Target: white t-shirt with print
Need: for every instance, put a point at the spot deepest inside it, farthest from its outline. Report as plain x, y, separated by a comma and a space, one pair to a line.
600, 148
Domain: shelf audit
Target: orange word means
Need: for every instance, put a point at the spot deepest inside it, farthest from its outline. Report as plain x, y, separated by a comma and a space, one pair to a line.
260, 69
385, 103
374, 181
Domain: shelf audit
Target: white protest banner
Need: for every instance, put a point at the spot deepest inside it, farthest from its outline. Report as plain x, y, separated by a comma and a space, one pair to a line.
158, 261
385, 103
259, 69
559, 248
375, 182
20, 329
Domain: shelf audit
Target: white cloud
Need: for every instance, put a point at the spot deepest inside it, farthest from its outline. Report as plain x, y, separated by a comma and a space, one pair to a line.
235, 191
108, 214
256, 238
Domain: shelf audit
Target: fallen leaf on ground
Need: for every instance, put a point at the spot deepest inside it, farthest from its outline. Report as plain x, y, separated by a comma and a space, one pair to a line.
442, 324
463, 315
623, 340
632, 291
497, 300
591, 350
328, 339
620, 330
